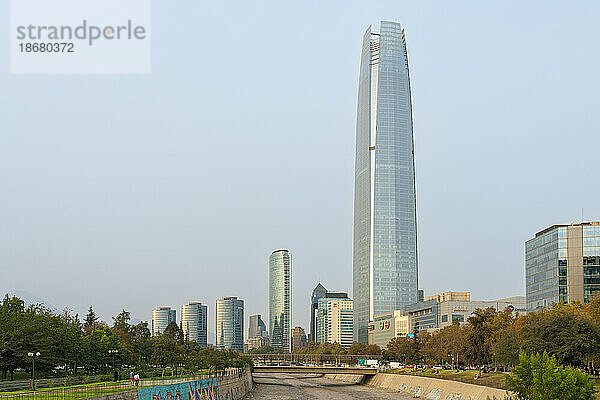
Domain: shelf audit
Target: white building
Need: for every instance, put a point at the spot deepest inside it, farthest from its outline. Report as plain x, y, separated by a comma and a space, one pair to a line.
339, 322
388, 326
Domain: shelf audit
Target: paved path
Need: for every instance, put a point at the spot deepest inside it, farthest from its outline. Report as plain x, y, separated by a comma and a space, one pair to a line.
310, 387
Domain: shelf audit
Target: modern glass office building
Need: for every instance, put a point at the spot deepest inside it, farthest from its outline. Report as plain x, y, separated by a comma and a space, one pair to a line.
321, 326
161, 318
230, 324
280, 300
256, 327
317, 293
562, 264
193, 322
385, 223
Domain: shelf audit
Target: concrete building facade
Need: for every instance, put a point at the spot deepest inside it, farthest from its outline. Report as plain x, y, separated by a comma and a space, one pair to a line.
339, 322
299, 339
439, 311
254, 343
256, 327
388, 326
322, 309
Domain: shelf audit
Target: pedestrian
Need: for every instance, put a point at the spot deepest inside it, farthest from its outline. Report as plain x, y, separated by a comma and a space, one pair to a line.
137, 379
116, 376
131, 378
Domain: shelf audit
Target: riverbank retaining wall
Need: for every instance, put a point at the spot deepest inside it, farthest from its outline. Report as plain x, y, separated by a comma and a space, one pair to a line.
428, 388
228, 387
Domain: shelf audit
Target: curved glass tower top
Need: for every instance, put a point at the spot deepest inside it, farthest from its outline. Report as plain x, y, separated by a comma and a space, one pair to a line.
385, 225
280, 300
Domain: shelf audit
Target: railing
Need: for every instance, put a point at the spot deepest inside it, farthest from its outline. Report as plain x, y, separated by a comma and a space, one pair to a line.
104, 388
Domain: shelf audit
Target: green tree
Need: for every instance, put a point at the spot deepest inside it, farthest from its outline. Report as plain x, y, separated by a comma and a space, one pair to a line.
478, 348
91, 319
538, 377
166, 351
405, 350
562, 331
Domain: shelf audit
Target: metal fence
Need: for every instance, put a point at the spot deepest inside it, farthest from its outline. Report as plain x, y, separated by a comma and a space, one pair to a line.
103, 388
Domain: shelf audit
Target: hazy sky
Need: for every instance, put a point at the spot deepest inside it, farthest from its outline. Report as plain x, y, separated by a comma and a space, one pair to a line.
132, 191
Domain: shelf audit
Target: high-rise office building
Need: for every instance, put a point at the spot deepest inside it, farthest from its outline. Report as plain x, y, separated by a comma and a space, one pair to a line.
298, 338
322, 316
230, 324
280, 300
256, 327
317, 293
193, 322
385, 223
339, 322
161, 318
562, 264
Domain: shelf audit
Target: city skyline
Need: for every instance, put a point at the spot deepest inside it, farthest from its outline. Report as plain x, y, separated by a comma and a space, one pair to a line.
112, 196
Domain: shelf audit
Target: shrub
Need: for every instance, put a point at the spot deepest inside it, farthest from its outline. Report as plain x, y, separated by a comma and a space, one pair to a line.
539, 378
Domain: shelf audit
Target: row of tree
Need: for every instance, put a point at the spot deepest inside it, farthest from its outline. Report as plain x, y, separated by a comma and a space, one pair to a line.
67, 345
571, 333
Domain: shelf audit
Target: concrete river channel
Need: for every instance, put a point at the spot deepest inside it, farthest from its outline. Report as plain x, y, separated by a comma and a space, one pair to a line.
308, 387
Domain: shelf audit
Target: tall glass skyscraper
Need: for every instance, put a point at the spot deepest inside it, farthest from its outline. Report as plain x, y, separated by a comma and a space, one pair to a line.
385, 222
193, 322
230, 324
317, 293
280, 300
161, 318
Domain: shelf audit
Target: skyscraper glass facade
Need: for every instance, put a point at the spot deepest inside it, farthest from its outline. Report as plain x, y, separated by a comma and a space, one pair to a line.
230, 324
193, 322
385, 227
562, 264
161, 318
280, 300
317, 293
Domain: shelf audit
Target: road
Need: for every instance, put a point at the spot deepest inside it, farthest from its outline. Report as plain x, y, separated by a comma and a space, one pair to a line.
308, 387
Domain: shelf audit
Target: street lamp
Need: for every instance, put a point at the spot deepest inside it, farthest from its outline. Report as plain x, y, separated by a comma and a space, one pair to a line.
33, 356
113, 352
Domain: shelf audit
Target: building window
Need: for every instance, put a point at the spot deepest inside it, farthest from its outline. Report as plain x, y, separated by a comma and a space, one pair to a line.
562, 290
444, 318
562, 281
458, 318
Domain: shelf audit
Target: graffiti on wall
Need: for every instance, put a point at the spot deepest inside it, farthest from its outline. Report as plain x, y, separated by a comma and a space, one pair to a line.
207, 389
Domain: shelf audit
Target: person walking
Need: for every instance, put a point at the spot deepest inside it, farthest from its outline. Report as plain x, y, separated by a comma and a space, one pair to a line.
131, 378
137, 379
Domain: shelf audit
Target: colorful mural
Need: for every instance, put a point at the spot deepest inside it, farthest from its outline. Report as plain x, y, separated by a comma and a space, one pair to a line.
207, 389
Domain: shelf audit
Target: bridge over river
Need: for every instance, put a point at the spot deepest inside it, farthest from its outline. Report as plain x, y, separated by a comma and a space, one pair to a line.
314, 370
